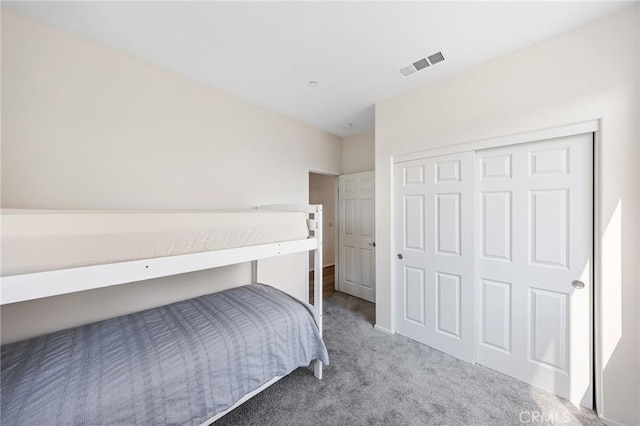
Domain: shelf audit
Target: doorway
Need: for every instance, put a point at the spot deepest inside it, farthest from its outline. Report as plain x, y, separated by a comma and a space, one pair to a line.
322, 190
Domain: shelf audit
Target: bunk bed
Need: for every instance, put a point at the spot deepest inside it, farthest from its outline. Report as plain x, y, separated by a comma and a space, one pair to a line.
189, 362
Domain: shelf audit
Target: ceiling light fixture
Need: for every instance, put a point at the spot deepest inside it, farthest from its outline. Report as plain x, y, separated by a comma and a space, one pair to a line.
347, 126
313, 83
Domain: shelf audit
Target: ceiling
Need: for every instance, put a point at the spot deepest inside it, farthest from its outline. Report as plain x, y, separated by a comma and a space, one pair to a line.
267, 52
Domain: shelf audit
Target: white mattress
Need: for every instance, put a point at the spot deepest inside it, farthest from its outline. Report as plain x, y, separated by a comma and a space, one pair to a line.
44, 240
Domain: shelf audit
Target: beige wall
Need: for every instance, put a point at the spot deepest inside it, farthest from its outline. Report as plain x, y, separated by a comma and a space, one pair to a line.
358, 152
589, 73
322, 190
84, 126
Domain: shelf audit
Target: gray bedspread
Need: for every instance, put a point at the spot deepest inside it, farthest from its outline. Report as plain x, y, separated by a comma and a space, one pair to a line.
176, 364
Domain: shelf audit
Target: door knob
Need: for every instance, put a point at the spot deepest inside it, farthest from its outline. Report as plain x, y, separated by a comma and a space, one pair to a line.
399, 256
577, 284
373, 244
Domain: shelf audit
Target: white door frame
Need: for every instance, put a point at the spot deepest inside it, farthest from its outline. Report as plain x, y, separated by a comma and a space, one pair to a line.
335, 223
592, 126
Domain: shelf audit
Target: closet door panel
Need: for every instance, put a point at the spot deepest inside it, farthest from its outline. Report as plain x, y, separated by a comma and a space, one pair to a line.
434, 235
534, 265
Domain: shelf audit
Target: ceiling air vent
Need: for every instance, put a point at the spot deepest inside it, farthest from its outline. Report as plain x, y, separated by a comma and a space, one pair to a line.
435, 58
407, 71
421, 64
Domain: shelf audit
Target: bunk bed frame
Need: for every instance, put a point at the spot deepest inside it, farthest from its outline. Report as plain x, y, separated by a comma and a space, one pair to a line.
19, 288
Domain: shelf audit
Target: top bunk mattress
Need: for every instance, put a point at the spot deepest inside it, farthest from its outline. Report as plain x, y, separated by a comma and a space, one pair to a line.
46, 240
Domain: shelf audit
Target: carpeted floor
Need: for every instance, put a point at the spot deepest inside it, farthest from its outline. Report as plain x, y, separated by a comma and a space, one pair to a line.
376, 379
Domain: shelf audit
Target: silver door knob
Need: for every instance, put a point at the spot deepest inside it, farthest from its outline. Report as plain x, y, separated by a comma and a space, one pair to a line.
399, 256
577, 284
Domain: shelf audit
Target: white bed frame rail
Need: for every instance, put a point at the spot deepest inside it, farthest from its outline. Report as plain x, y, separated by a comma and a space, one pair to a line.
19, 288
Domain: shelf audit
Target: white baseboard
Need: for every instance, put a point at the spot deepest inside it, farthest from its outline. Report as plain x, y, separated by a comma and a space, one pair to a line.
610, 422
385, 331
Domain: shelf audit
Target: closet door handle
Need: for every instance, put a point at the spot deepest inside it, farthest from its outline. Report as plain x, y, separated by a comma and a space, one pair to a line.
577, 284
400, 256
373, 244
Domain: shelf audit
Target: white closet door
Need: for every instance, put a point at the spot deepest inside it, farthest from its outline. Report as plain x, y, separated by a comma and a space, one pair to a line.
435, 252
534, 240
356, 243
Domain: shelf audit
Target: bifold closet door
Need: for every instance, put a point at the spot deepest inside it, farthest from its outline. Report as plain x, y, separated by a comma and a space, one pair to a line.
434, 265
534, 224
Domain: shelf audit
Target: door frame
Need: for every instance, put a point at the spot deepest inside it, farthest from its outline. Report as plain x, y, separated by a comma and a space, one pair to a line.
335, 223
591, 126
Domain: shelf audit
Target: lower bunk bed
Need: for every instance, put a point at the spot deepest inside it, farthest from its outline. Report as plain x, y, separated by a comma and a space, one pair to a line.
183, 363
188, 362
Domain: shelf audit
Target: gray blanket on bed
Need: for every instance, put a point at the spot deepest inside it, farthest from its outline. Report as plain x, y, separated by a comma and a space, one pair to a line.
176, 364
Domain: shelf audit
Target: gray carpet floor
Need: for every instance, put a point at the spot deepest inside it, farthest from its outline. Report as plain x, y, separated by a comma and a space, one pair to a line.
376, 379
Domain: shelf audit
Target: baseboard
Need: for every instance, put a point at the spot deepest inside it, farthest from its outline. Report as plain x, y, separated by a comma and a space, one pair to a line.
390, 333
325, 266
610, 422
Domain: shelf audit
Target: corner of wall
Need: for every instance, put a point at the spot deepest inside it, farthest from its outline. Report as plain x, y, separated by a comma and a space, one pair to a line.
358, 152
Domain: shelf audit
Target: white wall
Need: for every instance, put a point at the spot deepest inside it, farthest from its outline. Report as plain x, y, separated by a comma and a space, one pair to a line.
358, 152
84, 126
590, 73
322, 190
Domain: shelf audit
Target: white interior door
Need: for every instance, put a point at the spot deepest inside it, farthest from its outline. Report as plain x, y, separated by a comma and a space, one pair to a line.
356, 244
434, 265
534, 238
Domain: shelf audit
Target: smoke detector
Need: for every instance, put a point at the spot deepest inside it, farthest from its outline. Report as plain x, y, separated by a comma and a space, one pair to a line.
421, 64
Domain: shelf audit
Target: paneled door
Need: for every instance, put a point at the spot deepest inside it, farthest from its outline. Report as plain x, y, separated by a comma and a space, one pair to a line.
534, 246
356, 244
434, 265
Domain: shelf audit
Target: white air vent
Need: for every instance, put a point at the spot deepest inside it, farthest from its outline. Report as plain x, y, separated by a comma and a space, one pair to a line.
421, 64
407, 71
